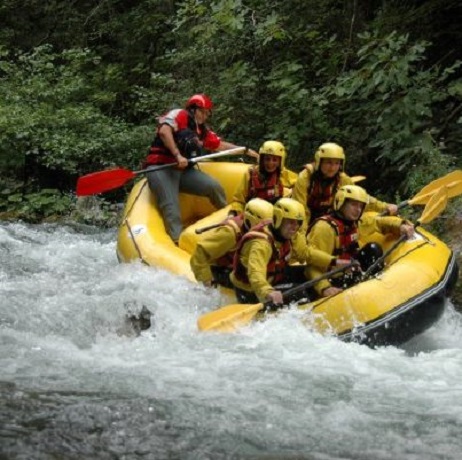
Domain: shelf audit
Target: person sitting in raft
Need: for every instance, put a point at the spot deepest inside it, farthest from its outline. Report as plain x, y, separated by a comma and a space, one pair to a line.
212, 259
317, 184
264, 252
337, 233
265, 180
181, 135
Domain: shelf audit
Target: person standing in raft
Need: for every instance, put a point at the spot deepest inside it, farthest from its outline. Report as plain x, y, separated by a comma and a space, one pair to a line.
337, 233
317, 184
212, 259
265, 180
263, 255
181, 135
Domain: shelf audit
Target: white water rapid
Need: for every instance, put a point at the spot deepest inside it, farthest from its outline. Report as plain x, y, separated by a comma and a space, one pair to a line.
72, 387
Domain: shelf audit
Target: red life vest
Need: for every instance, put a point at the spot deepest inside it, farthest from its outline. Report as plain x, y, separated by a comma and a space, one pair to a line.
321, 193
236, 223
183, 120
270, 189
279, 258
347, 234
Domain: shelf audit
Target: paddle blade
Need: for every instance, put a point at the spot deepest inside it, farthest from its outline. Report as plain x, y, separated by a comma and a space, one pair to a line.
453, 181
229, 318
357, 179
435, 206
102, 181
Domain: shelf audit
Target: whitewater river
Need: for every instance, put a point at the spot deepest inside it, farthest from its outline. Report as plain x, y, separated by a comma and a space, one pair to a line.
73, 387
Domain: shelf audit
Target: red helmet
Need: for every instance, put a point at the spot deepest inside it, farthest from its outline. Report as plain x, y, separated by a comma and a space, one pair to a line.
200, 101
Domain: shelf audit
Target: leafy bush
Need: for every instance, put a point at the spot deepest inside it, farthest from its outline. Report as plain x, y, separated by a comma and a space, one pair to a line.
33, 207
51, 115
387, 104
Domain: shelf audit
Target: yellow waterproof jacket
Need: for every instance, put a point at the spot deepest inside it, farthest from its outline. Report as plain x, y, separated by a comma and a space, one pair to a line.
256, 254
216, 244
302, 185
241, 194
324, 237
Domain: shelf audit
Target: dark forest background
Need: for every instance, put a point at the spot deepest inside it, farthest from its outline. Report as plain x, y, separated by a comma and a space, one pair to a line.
82, 82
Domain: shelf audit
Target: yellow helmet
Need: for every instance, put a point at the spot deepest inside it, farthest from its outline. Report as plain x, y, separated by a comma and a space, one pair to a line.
257, 210
350, 192
275, 148
329, 150
287, 208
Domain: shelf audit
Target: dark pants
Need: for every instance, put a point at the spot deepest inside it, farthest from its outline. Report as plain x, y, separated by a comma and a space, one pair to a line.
166, 185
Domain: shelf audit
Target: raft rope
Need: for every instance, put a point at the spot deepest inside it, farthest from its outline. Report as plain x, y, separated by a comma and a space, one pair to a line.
140, 255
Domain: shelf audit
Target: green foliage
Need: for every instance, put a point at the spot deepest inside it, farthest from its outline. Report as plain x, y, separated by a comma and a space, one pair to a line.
33, 207
388, 105
51, 114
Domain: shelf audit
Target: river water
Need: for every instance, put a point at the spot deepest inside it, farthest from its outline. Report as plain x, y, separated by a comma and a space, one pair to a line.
72, 386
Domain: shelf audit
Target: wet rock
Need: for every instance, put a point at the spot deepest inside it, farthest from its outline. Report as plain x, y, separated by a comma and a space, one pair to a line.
135, 323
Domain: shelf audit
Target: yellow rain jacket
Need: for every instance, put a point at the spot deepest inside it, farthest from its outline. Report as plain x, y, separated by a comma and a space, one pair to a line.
256, 254
300, 193
216, 244
241, 195
324, 237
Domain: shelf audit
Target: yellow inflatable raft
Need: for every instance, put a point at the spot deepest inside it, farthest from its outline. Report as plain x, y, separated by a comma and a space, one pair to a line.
142, 235
406, 298
403, 300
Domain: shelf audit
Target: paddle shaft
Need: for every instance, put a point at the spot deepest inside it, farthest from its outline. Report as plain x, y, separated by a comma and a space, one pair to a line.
103, 181
380, 260
192, 161
226, 318
307, 284
452, 181
310, 283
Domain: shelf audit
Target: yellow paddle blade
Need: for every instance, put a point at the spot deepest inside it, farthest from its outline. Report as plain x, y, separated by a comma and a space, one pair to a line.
453, 182
435, 206
357, 179
227, 319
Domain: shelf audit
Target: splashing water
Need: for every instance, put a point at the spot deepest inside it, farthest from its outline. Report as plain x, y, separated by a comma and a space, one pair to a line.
72, 386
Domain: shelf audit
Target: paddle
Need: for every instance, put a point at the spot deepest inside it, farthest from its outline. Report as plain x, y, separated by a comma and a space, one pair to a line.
357, 179
433, 209
452, 182
102, 181
226, 319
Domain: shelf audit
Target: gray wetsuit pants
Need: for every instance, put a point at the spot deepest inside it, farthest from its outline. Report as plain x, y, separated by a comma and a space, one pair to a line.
166, 184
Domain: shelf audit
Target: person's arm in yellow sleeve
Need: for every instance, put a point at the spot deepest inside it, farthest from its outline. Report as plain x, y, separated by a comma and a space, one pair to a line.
312, 272
256, 255
216, 244
380, 206
300, 193
241, 194
321, 237
311, 255
345, 179
288, 178
394, 225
